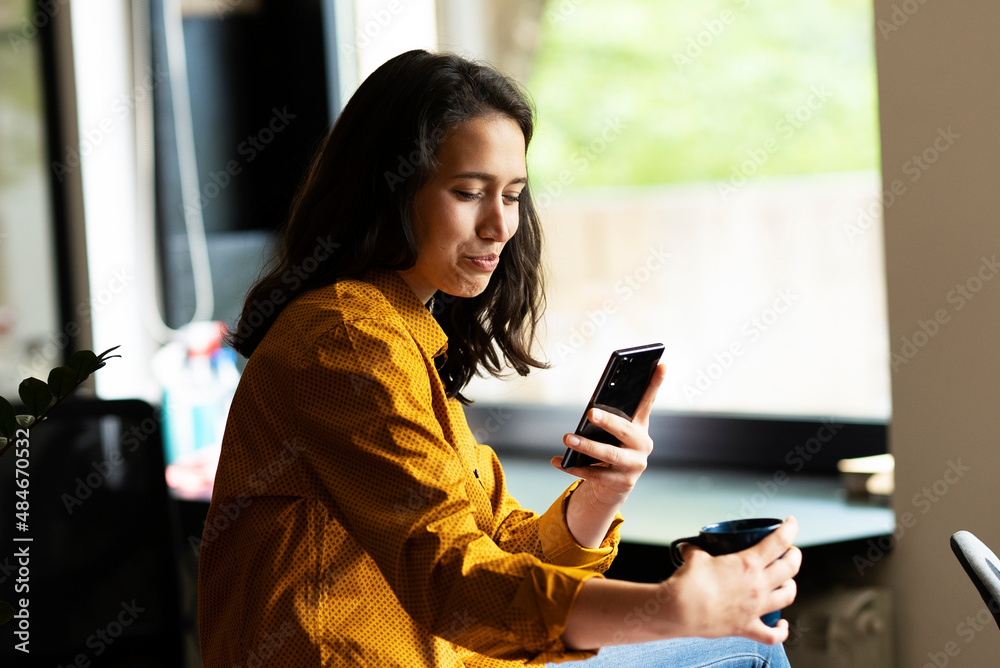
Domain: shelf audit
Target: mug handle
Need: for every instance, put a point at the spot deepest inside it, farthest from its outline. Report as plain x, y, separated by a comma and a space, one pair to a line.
675, 549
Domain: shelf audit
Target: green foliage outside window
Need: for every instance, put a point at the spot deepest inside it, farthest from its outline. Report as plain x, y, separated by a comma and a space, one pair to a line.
700, 87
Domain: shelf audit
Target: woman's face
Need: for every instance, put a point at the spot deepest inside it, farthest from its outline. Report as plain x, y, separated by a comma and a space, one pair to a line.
467, 211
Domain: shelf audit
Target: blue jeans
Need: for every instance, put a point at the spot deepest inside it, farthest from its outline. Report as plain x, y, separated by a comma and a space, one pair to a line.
686, 653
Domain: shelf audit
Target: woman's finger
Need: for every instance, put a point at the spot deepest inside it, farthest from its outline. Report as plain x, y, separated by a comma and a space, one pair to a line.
786, 566
764, 634
783, 596
646, 405
631, 436
610, 454
578, 471
596, 473
688, 550
776, 544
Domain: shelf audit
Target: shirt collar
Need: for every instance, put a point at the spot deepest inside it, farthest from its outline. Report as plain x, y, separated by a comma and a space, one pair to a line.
421, 324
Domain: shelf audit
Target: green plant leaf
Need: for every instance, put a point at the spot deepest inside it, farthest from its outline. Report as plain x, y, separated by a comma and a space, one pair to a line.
8, 420
105, 356
82, 363
62, 381
6, 612
25, 421
35, 395
3, 442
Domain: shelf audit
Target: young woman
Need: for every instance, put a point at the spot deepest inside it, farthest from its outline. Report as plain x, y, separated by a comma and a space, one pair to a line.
355, 521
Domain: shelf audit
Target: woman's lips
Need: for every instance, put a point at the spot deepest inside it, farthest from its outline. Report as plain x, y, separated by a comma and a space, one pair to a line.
485, 262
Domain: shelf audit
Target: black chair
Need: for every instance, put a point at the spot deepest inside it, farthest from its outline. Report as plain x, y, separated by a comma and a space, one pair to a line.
982, 566
103, 577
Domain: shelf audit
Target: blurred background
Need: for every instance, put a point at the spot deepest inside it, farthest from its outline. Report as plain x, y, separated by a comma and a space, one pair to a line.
707, 174
708, 177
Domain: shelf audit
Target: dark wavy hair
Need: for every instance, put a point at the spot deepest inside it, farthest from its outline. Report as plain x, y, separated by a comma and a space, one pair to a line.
354, 208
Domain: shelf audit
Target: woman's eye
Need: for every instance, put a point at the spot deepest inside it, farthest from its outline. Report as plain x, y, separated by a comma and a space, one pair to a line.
512, 199
465, 195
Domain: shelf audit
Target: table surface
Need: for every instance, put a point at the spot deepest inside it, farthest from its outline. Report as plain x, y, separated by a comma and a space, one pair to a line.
673, 503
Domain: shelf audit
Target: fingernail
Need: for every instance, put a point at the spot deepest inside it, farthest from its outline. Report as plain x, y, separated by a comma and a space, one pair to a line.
597, 415
572, 440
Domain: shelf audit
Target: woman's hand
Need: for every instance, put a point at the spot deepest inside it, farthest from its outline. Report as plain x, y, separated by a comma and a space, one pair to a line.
593, 505
727, 595
709, 597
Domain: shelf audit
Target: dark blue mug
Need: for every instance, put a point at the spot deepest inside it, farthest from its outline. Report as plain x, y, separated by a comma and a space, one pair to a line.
726, 538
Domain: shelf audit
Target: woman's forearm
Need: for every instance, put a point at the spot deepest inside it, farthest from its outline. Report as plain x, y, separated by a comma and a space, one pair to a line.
615, 612
587, 519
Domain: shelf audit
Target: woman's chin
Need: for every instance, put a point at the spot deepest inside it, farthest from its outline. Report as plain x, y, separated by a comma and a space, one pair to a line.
467, 289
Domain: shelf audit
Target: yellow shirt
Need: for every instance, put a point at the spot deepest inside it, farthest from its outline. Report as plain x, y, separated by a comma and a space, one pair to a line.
356, 522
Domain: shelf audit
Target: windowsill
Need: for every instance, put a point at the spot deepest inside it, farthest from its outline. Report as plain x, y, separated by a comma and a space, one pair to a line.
670, 503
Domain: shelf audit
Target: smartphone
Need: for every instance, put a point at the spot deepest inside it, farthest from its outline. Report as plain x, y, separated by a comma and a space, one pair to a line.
619, 392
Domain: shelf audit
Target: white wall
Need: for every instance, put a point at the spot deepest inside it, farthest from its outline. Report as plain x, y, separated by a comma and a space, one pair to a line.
939, 65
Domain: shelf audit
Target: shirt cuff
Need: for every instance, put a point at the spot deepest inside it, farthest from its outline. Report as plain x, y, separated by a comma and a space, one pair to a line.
560, 548
548, 595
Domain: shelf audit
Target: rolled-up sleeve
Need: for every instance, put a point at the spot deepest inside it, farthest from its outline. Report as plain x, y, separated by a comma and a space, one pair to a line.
561, 548
547, 536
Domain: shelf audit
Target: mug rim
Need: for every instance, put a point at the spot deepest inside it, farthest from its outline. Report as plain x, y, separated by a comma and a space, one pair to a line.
756, 524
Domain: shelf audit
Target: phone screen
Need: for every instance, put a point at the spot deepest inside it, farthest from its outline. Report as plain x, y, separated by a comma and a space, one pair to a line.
619, 392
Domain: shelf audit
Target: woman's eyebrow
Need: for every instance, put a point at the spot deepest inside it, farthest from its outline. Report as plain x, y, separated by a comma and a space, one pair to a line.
483, 176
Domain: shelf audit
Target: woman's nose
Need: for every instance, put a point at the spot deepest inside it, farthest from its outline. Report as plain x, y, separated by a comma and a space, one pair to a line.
496, 223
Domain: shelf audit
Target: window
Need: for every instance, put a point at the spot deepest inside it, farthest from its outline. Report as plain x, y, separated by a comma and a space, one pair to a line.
707, 175
30, 338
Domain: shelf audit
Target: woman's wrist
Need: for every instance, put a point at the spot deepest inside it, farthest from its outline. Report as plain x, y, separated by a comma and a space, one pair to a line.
587, 518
